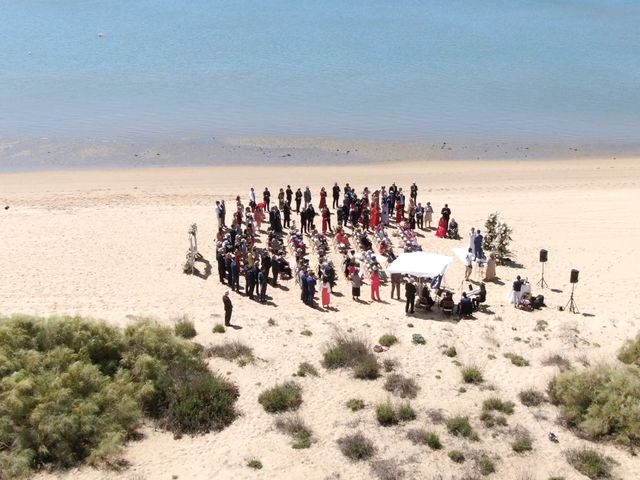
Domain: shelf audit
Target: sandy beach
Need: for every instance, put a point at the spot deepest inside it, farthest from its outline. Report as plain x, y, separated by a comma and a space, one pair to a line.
110, 244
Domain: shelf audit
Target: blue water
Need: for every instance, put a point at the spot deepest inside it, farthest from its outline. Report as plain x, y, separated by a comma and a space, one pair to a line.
509, 70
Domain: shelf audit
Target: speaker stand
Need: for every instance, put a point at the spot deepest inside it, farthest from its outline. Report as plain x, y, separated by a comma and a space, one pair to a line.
542, 283
571, 304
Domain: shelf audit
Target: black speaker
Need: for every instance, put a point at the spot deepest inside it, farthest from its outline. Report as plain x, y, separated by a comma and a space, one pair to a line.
543, 255
574, 276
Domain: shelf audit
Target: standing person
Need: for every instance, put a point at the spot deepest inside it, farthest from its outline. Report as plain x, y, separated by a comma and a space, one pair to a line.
410, 295
472, 241
275, 267
396, 279
428, 215
252, 199
311, 288
307, 197
412, 217
219, 214
266, 264
336, 195
356, 282
516, 292
286, 213
223, 213
235, 275
228, 308
468, 264
490, 272
303, 285
446, 214
251, 275
399, 213
326, 292
420, 216
401, 200
325, 220
281, 199
263, 279
289, 194
298, 200
323, 198
477, 241
266, 198
414, 192
375, 285
384, 216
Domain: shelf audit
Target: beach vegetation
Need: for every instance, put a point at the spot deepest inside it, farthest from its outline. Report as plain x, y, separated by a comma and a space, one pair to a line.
255, 464
600, 402
356, 447
589, 463
355, 404
184, 327
450, 352
306, 333
387, 470
386, 414
389, 364
531, 397
281, 398
557, 360
517, 360
420, 436
456, 456
296, 427
490, 420
459, 426
522, 442
218, 328
486, 466
348, 351
306, 368
401, 386
472, 374
499, 405
73, 390
387, 340
630, 352
232, 350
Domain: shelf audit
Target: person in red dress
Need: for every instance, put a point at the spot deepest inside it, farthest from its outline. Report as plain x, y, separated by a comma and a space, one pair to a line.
375, 286
399, 213
326, 293
442, 227
326, 220
375, 216
323, 198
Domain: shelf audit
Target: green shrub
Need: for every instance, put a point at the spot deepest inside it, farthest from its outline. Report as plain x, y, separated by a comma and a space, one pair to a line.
450, 352
389, 364
367, 369
232, 350
517, 360
401, 386
183, 327
386, 414
295, 426
558, 361
356, 447
405, 412
418, 339
490, 420
531, 397
348, 351
486, 465
306, 333
497, 404
472, 374
522, 443
387, 340
281, 398
589, 463
355, 404
456, 455
601, 402
305, 368
460, 427
72, 390
255, 464
424, 437
630, 352
218, 328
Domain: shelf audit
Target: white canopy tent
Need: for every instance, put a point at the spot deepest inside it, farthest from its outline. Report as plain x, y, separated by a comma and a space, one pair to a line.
421, 264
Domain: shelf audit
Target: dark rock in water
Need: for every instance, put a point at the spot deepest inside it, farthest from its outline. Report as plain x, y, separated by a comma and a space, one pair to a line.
6, 207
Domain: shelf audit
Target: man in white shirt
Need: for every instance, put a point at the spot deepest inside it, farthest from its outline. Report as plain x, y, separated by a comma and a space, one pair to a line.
252, 199
468, 263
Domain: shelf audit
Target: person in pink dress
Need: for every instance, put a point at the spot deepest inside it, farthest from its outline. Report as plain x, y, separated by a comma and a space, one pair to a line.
399, 213
326, 293
375, 216
375, 285
258, 215
323, 198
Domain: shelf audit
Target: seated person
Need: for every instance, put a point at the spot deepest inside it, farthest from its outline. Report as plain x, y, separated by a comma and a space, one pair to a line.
538, 302
447, 304
478, 295
526, 302
465, 307
425, 298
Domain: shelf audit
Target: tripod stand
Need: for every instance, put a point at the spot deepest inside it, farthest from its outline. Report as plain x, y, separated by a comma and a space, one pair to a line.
542, 283
571, 304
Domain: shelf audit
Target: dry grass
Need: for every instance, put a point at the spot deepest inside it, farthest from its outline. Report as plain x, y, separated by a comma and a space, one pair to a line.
401, 386
233, 350
356, 447
557, 360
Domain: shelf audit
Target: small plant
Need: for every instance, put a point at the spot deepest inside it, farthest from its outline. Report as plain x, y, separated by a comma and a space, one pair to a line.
387, 340
255, 464
435, 416
306, 333
522, 443
406, 412
450, 352
386, 414
589, 463
517, 360
352, 352
281, 398
367, 369
630, 352
218, 328
486, 465
305, 368
456, 456
183, 327
355, 404
558, 361
389, 364
387, 470
490, 420
234, 350
424, 437
271, 322
295, 426
531, 397
418, 339
472, 374
356, 447
497, 404
541, 325
401, 386
460, 427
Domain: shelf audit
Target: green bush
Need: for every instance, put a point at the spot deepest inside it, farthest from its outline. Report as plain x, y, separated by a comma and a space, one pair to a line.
486, 465
355, 404
281, 398
218, 328
402, 386
232, 350
295, 426
460, 427
630, 352
472, 374
601, 402
389, 364
348, 351
589, 463
183, 327
490, 420
531, 397
367, 369
305, 368
356, 447
456, 456
423, 437
255, 464
450, 352
497, 404
557, 360
522, 443
517, 360
387, 340
386, 414
306, 333
405, 412
73, 390
418, 339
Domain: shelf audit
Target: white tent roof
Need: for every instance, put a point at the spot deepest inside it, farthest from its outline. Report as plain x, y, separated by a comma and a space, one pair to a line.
421, 264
